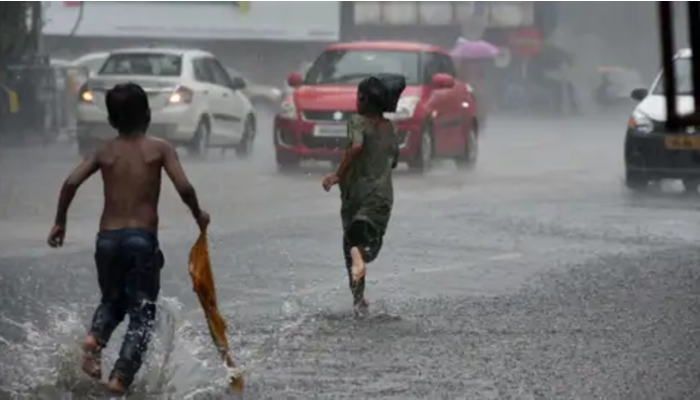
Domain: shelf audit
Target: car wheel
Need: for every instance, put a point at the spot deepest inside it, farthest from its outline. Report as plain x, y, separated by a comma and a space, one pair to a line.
471, 152
636, 180
287, 162
691, 185
199, 146
424, 158
245, 147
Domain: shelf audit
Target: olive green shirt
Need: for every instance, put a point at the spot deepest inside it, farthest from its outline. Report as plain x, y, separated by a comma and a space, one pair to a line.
367, 190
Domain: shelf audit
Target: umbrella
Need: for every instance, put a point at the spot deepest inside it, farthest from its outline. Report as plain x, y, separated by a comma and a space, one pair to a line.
203, 284
470, 50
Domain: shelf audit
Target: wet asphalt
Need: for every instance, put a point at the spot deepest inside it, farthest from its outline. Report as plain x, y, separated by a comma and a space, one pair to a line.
536, 276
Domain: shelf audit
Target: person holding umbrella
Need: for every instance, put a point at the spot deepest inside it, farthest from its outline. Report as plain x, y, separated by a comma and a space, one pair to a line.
471, 57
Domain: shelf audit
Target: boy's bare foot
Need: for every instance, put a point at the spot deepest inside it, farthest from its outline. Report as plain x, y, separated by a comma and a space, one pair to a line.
115, 386
92, 358
359, 269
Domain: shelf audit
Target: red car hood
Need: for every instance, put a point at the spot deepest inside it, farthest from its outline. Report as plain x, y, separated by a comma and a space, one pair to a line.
334, 97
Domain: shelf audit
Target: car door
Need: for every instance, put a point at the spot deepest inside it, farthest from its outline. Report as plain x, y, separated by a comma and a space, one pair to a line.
230, 107
439, 105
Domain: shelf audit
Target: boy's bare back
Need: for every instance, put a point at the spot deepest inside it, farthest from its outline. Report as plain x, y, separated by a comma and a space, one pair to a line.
131, 171
131, 175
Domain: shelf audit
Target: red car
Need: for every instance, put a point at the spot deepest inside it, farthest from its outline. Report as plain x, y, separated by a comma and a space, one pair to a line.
435, 118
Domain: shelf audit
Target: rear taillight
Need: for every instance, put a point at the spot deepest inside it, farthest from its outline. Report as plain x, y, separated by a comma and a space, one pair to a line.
85, 95
181, 95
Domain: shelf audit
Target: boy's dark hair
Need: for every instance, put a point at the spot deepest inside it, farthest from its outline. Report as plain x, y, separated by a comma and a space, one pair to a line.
128, 109
380, 93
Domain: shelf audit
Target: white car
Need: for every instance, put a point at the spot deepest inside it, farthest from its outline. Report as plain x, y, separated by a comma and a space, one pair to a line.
194, 102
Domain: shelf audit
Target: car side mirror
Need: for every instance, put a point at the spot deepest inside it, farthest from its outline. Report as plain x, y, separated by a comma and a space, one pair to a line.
294, 79
443, 81
639, 94
237, 83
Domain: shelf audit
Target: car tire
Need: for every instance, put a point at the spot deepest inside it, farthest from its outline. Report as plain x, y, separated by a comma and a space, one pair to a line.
424, 159
636, 181
199, 146
287, 162
471, 152
245, 148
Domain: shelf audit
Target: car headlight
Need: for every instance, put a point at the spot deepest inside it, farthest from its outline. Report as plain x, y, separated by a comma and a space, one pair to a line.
85, 95
288, 109
405, 109
640, 123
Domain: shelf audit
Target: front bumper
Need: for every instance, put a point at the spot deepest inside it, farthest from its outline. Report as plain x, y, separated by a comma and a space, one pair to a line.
176, 124
296, 137
648, 155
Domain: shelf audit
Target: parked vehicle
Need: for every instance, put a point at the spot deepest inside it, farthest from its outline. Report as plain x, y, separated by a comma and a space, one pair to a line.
435, 118
194, 103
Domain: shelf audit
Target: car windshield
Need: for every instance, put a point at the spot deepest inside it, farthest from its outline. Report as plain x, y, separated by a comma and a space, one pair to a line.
684, 79
351, 66
145, 64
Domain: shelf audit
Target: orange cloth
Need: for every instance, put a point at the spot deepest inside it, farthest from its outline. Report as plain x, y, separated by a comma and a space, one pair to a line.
203, 285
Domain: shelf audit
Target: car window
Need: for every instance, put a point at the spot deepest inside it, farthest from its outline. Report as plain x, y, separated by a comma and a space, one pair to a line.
218, 72
202, 72
351, 66
684, 80
145, 64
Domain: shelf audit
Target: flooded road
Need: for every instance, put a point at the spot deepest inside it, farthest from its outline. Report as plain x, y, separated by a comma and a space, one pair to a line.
534, 277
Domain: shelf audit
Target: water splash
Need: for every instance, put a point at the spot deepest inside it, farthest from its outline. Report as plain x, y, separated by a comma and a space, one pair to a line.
46, 360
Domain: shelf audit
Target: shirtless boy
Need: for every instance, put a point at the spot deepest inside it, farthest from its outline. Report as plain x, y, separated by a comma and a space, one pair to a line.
127, 253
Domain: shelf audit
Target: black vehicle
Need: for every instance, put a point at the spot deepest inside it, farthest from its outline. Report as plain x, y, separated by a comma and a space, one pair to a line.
652, 152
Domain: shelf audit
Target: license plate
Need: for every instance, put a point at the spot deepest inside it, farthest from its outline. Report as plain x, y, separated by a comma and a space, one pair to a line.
682, 143
330, 130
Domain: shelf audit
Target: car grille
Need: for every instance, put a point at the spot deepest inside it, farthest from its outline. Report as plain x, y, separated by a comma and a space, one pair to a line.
325, 116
